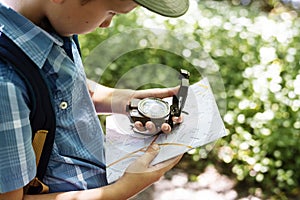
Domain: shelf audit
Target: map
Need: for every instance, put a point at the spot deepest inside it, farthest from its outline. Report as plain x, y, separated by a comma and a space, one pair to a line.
202, 125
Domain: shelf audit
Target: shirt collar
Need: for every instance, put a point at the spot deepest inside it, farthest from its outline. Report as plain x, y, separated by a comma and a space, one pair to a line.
34, 41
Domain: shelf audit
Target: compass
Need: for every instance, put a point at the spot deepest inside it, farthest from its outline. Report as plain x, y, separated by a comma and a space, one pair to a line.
157, 110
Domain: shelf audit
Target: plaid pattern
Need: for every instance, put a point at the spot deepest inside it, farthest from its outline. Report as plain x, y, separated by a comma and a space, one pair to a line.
77, 160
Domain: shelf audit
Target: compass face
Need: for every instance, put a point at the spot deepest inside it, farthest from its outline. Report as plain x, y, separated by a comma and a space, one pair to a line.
154, 108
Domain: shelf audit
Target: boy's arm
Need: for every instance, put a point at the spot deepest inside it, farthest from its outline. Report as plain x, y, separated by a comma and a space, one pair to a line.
111, 100
138, 176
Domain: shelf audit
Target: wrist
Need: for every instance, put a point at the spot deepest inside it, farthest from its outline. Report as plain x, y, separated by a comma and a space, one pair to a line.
101, 97
129, 185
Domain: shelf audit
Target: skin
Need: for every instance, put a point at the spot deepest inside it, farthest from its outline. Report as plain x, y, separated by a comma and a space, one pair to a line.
68, 17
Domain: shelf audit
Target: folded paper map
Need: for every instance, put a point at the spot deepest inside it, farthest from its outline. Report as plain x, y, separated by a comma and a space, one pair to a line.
202, 125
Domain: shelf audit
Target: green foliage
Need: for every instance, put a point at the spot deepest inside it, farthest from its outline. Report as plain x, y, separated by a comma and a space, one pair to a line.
258, 56
263, 99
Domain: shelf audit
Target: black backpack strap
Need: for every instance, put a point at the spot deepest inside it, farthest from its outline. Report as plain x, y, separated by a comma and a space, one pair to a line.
42, 115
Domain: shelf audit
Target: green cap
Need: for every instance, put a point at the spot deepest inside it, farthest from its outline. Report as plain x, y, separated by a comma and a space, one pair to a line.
168, 8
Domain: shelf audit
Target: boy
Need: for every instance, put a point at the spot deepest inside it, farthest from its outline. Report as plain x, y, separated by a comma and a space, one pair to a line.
76, 169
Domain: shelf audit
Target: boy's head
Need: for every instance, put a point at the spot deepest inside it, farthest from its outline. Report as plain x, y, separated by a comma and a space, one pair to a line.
69, 17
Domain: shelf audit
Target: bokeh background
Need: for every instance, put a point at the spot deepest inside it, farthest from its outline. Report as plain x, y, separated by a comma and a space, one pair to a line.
256, 45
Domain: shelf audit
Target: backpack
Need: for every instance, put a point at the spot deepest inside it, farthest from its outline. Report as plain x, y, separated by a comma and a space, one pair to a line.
42, 116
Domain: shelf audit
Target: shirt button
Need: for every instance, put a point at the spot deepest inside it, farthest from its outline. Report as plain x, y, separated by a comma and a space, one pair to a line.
63, 105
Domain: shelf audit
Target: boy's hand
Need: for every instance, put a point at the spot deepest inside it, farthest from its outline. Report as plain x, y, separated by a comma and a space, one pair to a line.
140, 174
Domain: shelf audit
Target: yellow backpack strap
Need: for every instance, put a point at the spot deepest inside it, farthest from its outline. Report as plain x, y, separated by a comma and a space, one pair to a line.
36, 186
38, 144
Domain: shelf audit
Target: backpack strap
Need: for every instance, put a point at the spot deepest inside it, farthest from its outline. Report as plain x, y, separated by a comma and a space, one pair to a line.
42, 116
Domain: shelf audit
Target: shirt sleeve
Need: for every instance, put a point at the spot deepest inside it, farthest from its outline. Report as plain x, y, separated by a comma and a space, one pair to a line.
17, 166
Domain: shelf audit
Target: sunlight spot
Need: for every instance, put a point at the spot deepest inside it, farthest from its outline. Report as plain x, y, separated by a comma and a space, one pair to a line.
267, 54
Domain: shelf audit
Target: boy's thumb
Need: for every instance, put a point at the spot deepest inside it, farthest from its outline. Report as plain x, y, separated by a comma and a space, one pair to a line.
153, 148
150, 154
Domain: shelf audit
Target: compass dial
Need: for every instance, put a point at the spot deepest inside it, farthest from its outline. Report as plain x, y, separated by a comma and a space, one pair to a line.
154, 108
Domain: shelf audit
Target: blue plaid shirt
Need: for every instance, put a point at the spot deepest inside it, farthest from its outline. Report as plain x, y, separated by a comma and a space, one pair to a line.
77, 159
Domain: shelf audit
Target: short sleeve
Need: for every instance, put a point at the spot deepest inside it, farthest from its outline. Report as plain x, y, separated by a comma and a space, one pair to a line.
17, 166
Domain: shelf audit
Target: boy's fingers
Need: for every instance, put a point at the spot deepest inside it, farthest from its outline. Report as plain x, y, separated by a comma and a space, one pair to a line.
149, 155
150, 126
152, 129
166, 128
148, 129
142, 164
177, 120
139, 126
158, 93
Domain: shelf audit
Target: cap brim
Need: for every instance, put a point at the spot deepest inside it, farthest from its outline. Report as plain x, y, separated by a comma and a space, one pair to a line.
168, 8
